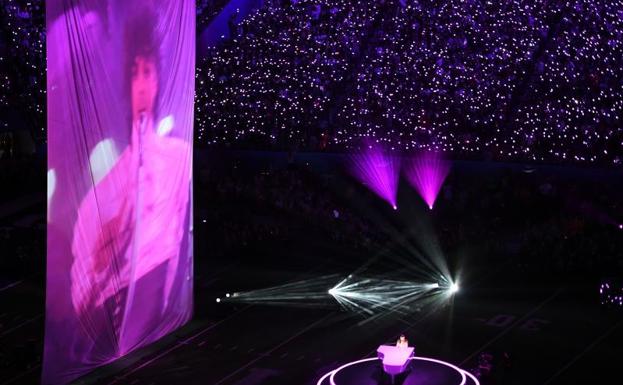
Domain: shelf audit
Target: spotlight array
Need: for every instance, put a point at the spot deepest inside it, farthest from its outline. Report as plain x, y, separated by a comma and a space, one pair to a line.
362, 295
426, 172
378, 170
374, 295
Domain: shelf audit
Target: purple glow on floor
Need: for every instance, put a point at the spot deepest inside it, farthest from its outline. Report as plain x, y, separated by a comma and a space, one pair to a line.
379, 171
464, 374
426, 172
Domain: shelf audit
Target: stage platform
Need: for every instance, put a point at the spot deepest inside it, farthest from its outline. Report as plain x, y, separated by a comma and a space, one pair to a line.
422, 371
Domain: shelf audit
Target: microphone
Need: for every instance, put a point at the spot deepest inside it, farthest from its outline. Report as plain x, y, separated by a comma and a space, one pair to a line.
142, 121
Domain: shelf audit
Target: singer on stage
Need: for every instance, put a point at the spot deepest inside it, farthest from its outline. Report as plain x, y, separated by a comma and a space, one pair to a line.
134, 232
402, 342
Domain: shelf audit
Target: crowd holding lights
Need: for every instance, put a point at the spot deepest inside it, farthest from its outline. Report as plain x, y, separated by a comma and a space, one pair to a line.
522, 79
22, 61
573, 107
440, 75
207, 10
275, 79
611, 293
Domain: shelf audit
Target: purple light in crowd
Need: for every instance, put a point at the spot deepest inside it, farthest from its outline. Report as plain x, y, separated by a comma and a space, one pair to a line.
472, 72
426, 172
379, 171
611, 295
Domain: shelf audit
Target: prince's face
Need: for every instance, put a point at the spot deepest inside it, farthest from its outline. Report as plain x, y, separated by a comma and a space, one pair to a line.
144, 85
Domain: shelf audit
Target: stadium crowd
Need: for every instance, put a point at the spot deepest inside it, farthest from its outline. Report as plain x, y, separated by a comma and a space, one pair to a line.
529, 80
545, 223
22, 66
520, 80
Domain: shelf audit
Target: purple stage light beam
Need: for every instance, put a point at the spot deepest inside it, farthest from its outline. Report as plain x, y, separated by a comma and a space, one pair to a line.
426, 172
379, 171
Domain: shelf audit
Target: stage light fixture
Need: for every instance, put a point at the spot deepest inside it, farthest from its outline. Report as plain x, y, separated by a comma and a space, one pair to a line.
454, 288
379, 170
426, 172
307, 292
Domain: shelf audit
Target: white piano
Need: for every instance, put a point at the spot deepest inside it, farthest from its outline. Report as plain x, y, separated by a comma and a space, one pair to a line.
395, 360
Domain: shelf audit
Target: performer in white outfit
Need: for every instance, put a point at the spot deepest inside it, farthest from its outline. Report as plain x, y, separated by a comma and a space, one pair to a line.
402, 342
130, 224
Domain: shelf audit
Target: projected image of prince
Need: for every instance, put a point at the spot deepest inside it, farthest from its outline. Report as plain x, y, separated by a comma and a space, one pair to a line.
130, 226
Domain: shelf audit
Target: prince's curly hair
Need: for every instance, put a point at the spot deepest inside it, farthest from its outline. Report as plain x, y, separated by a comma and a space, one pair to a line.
141, 39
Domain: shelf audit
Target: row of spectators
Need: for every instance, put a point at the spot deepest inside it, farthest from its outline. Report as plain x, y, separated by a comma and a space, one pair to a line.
274, 206
22, 66
527, 223
207, 10
276, 77
533, 80
534, 223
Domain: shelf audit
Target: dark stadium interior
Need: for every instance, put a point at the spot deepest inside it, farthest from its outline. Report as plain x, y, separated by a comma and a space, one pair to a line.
525, 100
